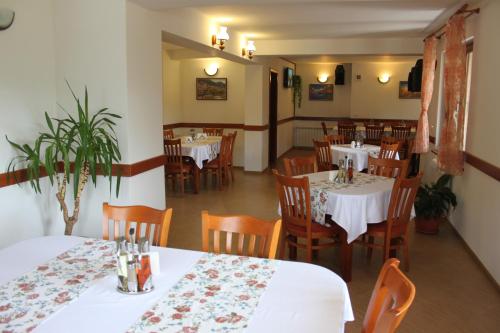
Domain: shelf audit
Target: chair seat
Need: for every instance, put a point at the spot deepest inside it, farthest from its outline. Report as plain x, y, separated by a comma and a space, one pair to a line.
175, 168
318, 230
213, 164
379, 229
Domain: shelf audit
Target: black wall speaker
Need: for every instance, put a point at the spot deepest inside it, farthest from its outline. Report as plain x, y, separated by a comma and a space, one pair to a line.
339, 75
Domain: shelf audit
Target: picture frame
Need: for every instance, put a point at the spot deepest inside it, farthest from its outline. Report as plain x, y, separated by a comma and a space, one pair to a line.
211, 89
321, 92
405, 94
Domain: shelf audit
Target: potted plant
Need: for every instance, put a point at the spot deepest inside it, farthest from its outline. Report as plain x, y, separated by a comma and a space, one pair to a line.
297, 90
74, 149
432, 204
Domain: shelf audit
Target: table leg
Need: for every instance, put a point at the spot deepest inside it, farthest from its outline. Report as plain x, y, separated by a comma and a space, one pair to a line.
346, 256
196, 178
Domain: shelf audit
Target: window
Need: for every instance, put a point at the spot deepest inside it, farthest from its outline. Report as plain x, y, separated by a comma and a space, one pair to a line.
441, 102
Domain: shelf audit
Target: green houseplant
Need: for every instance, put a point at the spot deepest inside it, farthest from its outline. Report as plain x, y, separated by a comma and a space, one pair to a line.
73, 149
297, 90
433, 203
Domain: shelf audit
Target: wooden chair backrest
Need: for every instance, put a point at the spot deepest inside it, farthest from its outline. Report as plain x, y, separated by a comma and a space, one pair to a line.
262, 236
388, 168
391, 298
231, 150
401, 132
323, 154
173, 152
295, 201
168, 134
389, 151
348, 131
323, 126
156, 222
388, 140
335, 139
225, 149
213, 131
374, 132
300, 165
403, 196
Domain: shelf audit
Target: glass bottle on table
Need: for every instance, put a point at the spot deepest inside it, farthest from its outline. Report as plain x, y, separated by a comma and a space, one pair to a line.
350, 170
341, 172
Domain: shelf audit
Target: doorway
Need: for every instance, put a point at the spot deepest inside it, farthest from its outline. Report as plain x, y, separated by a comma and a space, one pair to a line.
273, 117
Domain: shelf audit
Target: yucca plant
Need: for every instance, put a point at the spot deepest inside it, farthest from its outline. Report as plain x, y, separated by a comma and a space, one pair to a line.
72, 150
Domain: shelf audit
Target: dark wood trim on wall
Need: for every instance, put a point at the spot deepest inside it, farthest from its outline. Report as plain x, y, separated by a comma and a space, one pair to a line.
411, 122
285, 120
126, 170
203, 125
480, 164
255, 128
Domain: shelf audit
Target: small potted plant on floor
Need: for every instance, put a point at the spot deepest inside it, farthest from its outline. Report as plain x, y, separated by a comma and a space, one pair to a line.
433, 204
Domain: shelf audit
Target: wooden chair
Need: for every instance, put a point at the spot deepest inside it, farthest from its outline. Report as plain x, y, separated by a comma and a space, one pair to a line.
231, 153
401, 132
323, 126
323, 154
373, 134
295, 203
175, 167
388, 140
262, 236
213, 131
300, 165
391, 298
154, 220
389, 151
348, 131
219, 166
388, 168
394, 231
168, 134
335, 139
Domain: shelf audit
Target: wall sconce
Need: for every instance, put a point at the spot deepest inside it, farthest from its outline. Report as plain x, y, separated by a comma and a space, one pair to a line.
250, 48
211, 69
384, 78
322, 78
221, 37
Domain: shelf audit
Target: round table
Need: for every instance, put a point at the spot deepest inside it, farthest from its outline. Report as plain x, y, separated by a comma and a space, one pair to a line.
359, 156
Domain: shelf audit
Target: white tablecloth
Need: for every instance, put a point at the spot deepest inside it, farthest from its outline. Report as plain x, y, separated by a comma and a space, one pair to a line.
354, 206
202, 149
300, 297
359, 156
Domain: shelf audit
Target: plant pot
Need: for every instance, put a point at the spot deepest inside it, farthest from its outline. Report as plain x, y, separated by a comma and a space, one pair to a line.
429, 226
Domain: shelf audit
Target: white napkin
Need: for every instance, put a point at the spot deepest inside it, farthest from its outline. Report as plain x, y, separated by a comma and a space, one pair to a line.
201, 135
186, 139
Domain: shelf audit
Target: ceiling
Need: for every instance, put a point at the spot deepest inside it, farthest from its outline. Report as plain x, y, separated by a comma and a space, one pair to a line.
302, 19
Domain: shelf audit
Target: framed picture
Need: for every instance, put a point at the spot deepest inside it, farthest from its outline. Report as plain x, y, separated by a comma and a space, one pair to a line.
287, 77
321, 92
211, 89
405, 94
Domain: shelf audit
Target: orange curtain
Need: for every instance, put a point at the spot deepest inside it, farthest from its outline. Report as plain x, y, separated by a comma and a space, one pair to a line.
450, 155
422, 135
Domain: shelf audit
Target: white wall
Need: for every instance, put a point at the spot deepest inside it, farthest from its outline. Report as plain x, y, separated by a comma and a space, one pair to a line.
370, 99
27, 89
341, 104
478, 213
172, 112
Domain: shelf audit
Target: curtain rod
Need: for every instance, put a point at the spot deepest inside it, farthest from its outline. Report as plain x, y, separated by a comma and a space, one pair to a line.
462, 10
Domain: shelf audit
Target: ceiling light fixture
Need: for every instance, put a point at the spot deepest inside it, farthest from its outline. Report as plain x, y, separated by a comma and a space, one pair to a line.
322, 78
211, 69
384, 78
220, 38
250, 48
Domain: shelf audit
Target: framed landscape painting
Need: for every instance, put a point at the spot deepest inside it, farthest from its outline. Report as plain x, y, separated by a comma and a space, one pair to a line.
211, 89
321, 92
405, 94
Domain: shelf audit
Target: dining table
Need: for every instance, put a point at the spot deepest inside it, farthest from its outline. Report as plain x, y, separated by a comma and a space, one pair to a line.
359, 155
68, 284
352, 206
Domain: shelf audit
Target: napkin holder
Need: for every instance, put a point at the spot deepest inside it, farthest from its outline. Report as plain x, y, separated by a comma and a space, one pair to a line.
135, 267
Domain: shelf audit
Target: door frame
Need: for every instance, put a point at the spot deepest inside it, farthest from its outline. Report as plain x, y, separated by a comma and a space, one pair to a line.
273, 120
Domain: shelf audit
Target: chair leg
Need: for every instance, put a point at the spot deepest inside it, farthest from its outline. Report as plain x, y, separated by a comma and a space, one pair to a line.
315, 253
406, 255
232, 174
181, 179
369, 249
282, 244
309, 254
219, 179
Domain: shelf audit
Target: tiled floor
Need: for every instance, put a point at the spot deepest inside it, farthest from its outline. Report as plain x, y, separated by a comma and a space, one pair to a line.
453, 293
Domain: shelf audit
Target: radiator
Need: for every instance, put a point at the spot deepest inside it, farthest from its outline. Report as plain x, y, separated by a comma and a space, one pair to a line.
304, 136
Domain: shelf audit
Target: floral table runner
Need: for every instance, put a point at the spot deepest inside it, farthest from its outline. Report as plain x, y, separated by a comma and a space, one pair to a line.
219, 294
320, 189
25, 302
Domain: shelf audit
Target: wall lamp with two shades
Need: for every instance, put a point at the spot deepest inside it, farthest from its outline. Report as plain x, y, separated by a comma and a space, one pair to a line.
220, 38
